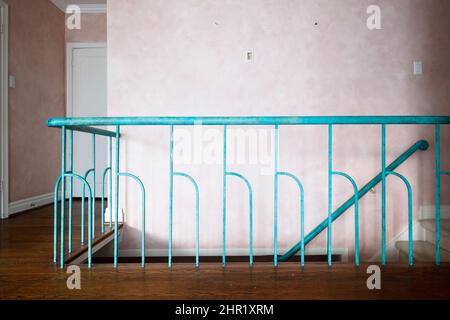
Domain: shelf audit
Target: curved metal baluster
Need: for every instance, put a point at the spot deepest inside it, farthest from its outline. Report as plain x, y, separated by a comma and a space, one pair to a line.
72, 175
302, 212
103, 199
250, 192
302, 201
70, 188
83, 193
55, 220
141, 185
197, 215
355, 190
410, 215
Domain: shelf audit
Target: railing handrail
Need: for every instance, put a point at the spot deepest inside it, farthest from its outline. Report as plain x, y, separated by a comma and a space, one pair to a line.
90, 124
284, 120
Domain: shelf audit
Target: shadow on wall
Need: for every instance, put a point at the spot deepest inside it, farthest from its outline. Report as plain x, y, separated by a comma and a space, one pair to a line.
337, 67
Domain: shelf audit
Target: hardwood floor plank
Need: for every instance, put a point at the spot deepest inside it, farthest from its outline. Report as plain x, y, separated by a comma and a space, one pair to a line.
27, 272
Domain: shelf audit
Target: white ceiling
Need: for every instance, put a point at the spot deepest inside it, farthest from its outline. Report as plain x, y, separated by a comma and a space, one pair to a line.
86, 5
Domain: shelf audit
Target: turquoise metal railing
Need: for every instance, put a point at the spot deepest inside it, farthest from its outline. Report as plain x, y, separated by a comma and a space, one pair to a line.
87, 125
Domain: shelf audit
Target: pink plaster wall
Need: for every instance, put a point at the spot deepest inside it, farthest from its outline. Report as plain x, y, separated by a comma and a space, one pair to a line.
37, 59
180, 58
93, 29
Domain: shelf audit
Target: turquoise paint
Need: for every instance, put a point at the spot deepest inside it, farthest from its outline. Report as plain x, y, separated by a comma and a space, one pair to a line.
170, 197
70, 188
302, 213
330, 193
109, 169
84, 182
63, 193
224, 198
356, 201
94, 182
292, 120
116, 222
55, 220
275, 204
80, 124
277, 173
250, 200
383, 195
410, 215
143, 196
83, 192
197, 215
438, 193
110, 199
419, 145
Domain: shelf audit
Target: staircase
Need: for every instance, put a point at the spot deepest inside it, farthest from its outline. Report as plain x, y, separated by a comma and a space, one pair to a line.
425, 250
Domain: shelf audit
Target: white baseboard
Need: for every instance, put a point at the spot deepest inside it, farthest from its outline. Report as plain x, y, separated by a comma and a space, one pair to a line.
429, 212
30, 203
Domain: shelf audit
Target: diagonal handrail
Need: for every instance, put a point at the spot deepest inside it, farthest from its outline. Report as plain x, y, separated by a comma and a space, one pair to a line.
419, 145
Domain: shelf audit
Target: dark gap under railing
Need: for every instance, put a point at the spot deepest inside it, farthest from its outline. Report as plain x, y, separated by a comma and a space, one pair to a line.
213, 259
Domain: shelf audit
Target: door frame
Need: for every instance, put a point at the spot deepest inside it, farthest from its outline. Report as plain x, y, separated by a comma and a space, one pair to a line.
4, 87
70, 47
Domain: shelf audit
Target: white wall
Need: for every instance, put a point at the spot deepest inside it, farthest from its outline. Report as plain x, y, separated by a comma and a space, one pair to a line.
187, 58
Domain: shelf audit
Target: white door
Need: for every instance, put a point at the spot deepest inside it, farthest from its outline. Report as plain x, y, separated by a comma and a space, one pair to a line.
88, 99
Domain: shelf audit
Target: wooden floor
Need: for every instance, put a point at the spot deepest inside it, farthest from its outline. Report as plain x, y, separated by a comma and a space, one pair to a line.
27, 272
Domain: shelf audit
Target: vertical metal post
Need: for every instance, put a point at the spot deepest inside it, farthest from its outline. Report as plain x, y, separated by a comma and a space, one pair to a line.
110, 199
438, 194
116, 222
302, 224
275, 205
330, 190
224, 198
410, 227
63, 192
383, 194
70, 188
94, 182
83, 194
171, 197
197, 231
55, 220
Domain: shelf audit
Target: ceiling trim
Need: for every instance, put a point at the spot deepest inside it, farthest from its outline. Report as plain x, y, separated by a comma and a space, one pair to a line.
92, 8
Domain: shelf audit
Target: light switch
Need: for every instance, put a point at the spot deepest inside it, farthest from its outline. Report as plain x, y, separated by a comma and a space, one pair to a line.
12, 82
249, 56
418, 68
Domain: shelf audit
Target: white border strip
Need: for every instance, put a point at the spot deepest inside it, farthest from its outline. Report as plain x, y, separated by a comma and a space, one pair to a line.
89, 8
4, 116
30, 203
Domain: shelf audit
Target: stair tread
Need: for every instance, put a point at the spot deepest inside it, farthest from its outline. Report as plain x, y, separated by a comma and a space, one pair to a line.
430, 225
422, 250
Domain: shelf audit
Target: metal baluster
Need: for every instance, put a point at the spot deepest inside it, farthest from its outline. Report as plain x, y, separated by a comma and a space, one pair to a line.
63, 194
224, 197
330, 191
275, 209
383, 195
116, 222
171, 197
438, 194
70, 189
94, 182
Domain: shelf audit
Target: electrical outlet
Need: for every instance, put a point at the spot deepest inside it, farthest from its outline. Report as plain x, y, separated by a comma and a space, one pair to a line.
418, 68
12, 82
